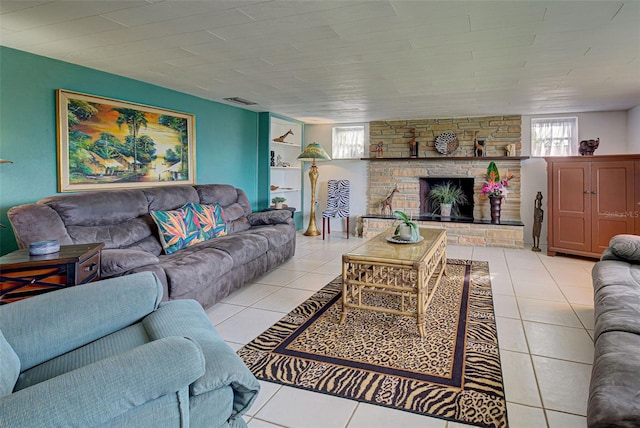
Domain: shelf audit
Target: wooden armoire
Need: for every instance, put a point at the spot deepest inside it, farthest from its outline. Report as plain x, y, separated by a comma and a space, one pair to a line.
591, 199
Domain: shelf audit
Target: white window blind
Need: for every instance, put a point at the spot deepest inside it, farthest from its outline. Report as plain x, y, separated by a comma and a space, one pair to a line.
554, 137
347, 142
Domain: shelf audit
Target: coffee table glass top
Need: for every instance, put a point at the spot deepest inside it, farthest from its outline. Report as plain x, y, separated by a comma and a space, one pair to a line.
379, 247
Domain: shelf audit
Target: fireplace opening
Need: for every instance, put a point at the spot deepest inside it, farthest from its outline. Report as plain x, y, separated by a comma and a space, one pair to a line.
465, 212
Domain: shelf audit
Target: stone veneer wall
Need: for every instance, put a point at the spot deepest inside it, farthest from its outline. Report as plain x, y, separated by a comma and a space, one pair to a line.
395, 135
497, 131
385, 174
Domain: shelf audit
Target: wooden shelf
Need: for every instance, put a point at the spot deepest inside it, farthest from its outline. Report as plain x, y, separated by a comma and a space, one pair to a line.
450, 158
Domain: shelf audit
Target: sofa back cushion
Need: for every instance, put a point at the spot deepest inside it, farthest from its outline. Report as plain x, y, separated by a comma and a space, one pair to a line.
169, 197
234, 203
9, 367
51, 324
118, 218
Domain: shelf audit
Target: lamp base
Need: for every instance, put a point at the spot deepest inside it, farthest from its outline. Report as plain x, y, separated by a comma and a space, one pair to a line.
312, 230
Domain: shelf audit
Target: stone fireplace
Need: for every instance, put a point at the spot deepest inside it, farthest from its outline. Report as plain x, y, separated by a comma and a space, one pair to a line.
413, 176
465, 212
406, 175
385, 174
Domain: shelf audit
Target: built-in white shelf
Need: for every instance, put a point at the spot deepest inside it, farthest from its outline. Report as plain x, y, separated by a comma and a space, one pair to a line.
284, 190
286, 144
288, 178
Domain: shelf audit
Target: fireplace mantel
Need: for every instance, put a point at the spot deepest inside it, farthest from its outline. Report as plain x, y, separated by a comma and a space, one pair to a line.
451, 158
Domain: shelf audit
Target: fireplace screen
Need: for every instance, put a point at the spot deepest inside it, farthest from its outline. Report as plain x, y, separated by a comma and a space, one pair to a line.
465, 183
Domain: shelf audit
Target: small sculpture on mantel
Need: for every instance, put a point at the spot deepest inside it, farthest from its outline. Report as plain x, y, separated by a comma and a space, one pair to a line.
388, 201
281, 138
587, 147
413, 145
538, 216
478, 146
379, 150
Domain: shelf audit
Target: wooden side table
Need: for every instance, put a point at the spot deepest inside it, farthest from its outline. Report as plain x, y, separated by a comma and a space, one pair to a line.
23, 275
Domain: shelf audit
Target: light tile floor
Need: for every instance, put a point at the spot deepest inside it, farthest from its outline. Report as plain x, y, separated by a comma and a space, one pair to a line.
544, 312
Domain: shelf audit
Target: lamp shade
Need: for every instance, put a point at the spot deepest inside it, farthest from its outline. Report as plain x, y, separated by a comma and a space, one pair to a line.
314, 151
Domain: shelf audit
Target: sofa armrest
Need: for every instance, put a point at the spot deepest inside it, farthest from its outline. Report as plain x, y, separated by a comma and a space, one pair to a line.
269, 217
626, 247
607, 254
99, 392
45, 326
37, 222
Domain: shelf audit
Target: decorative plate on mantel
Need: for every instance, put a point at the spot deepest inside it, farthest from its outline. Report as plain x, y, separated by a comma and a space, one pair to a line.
447, 143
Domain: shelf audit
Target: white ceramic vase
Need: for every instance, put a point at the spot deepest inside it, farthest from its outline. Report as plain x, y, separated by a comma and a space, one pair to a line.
445, 210
404, 232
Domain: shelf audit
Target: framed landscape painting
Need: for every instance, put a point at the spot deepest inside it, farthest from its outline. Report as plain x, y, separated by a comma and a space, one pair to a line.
110, 144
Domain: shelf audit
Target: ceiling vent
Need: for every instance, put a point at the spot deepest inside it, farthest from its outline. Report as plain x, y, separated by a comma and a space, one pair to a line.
239, 100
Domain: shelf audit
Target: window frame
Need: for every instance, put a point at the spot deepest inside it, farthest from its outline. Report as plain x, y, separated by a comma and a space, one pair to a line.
333, 141
573, 149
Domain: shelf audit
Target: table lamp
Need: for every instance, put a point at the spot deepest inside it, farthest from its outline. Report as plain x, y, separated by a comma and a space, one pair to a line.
312, 153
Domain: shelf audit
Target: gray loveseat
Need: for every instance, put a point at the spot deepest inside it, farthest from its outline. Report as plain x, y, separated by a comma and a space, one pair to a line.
207, 272
614, 393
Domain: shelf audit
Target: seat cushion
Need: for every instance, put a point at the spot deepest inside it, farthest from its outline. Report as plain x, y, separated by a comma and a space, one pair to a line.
276, 235
617, 308
9, 367
335, 212
615, 382
193, 268
242, 247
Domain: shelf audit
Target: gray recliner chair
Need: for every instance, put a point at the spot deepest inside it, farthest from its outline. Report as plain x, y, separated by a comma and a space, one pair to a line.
110, 353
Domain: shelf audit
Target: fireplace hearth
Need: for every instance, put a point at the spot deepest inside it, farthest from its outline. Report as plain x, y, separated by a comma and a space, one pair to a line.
465, 212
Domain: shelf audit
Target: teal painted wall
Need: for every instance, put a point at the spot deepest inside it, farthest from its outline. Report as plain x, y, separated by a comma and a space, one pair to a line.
226, 136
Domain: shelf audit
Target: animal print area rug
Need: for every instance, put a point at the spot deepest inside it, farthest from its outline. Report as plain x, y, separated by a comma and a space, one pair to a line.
452, 373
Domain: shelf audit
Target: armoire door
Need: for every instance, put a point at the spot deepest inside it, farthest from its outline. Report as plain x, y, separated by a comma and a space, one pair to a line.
571, 205
636, 208
613, 201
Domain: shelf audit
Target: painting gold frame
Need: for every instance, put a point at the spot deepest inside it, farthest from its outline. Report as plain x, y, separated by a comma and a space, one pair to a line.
110, 144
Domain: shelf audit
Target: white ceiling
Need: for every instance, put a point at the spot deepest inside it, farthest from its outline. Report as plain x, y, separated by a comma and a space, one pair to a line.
353, 61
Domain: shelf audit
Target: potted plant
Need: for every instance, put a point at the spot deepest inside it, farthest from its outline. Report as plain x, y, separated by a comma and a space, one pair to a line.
406, 230
447, 197
277, 201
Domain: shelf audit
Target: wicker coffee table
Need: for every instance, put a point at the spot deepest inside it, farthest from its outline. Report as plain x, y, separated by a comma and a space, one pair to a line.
410, 272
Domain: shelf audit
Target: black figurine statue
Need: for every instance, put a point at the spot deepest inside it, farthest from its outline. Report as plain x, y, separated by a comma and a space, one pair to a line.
538, 216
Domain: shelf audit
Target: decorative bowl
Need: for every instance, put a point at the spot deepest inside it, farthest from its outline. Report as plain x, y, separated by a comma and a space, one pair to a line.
40, 248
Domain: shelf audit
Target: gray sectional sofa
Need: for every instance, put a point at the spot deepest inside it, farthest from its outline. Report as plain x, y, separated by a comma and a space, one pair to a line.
207, 272
614, 393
